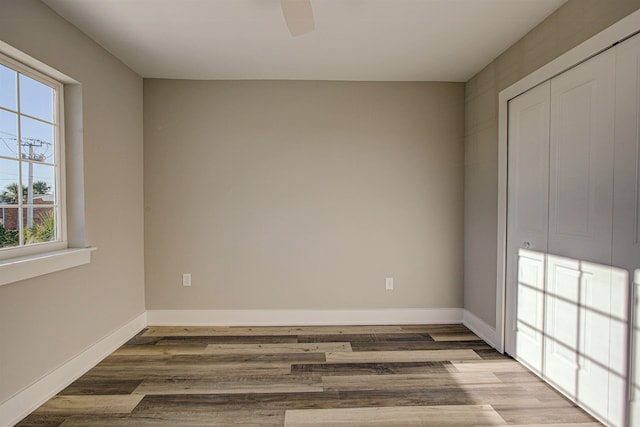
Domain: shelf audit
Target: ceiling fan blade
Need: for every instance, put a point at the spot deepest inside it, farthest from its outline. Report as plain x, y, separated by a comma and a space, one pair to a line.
298, 15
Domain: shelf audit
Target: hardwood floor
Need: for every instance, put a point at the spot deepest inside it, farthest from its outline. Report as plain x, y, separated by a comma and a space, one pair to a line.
418, 375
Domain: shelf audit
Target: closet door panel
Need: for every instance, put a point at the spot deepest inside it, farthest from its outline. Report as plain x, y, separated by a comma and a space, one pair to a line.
626, 207
618, 345
585, 299
599, 385
528, 197
530, 308
580, 332
529, 160
581, 161
561, 324
626, 242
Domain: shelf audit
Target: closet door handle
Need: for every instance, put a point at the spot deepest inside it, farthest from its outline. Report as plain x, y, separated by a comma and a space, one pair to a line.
526, 244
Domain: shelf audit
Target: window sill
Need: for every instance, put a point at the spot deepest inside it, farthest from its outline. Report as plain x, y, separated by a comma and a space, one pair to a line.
16, 269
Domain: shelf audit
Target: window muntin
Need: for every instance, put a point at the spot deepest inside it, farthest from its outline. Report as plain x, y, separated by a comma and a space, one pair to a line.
31, 203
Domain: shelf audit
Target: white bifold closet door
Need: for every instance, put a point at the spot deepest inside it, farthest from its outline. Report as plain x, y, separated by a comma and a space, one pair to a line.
626, 233
528, 222
573, 193
582, 290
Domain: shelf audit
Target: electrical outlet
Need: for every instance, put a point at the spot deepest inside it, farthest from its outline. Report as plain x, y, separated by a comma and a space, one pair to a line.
186, 279
389, 283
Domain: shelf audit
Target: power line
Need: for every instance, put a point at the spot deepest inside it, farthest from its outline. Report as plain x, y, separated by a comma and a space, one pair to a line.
30, 142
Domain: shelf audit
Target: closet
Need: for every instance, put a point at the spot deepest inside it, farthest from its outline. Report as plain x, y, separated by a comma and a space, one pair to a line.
573, 232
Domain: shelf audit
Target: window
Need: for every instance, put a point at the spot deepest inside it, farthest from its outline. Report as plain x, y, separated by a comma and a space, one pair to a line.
39, 191
31, 161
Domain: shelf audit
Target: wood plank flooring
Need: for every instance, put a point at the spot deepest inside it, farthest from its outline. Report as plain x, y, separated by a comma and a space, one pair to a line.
417, 375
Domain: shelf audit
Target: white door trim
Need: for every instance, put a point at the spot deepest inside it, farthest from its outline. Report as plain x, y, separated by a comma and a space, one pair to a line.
596, 44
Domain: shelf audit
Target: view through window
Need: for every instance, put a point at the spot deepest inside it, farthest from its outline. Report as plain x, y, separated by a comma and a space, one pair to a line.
29, 158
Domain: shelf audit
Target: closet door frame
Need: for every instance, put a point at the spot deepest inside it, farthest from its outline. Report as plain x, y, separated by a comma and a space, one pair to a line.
619, 31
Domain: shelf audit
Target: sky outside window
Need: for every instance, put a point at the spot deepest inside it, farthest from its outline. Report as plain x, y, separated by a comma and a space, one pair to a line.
26, 107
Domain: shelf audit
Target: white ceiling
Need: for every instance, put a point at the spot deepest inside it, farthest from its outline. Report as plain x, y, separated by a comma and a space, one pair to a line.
374, 40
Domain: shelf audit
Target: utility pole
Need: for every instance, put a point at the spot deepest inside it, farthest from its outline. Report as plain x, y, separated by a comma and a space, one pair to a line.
32, 156
30, 190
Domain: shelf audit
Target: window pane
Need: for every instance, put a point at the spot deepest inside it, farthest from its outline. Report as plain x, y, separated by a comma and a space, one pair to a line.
8, 88
37, 140
36, 99
42, 179
43, 226
8, 181
8, 134
9, 227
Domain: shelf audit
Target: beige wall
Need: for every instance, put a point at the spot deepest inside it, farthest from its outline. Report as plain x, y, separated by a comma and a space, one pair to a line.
573, 23
46, 321
303, 195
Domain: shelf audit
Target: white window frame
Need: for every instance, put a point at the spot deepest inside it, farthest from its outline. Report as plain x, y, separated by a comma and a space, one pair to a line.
26, 262
59, 164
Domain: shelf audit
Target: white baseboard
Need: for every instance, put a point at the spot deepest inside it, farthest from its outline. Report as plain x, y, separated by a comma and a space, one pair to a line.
480, 328
26, 401
303, 317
